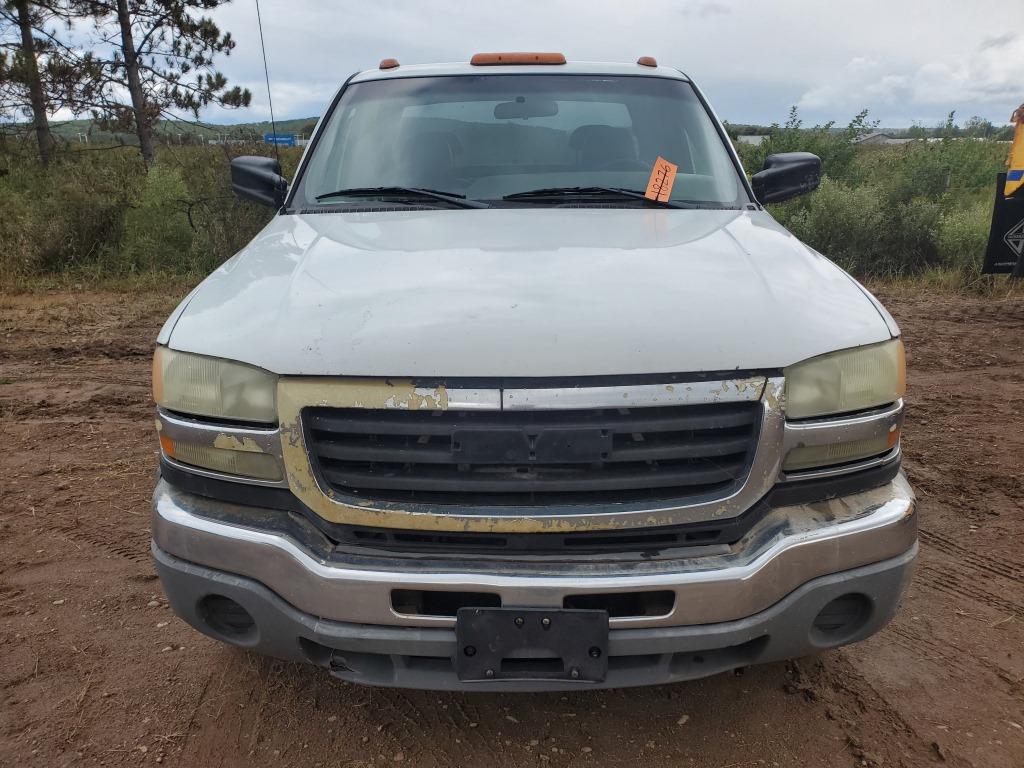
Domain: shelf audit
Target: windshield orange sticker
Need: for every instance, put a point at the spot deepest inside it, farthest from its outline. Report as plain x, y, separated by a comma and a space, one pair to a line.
663, 176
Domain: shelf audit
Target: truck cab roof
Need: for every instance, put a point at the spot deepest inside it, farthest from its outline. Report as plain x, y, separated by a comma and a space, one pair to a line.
569, 68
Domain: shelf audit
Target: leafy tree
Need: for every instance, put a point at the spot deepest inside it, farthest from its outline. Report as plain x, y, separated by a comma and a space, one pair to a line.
160, 53
1004, 134
949, 129
979, 128
917, 131
835, 146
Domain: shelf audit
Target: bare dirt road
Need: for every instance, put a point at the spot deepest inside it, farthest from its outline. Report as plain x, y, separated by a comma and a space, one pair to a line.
95, 670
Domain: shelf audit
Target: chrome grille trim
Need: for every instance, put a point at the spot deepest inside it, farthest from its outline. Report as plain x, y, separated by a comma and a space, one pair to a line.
296, 394
744, 390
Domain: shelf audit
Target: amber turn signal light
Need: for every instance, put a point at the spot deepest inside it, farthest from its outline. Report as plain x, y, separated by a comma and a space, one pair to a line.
498, 59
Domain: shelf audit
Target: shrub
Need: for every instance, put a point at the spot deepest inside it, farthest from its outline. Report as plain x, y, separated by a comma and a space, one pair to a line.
157, 235
891, 210
834, 146
866, 233
63, 217
963, 237
881, 210
222, 223
934, 170
98, 212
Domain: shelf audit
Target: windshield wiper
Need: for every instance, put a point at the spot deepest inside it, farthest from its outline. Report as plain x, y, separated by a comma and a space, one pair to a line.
459, 201
549, 193
555, 193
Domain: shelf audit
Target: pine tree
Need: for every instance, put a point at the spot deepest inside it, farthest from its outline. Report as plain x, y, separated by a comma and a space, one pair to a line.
160, 54
23, 90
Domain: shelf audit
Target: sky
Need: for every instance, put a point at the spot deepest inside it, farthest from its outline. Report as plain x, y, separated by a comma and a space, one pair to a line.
906, 61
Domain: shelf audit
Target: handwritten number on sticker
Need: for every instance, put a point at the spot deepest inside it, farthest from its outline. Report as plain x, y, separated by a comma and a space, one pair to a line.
663, 176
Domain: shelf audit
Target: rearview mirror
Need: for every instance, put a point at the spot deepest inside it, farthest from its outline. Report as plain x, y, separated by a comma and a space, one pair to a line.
259, 179
523, 108
787, 175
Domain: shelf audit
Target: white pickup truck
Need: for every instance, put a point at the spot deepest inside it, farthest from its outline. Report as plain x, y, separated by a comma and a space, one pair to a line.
479, 410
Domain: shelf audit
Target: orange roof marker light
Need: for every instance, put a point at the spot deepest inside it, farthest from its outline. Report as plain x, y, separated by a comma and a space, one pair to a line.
388, 63
502, 59
647, 61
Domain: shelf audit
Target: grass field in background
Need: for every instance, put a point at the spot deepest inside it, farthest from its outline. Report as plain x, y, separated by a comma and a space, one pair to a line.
917, 212
96, 214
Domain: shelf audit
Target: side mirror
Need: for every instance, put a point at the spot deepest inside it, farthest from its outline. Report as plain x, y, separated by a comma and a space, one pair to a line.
259, 179
787, 175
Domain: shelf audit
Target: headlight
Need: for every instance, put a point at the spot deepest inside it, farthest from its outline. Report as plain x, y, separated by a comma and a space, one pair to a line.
842, 383
846, 381
209, 386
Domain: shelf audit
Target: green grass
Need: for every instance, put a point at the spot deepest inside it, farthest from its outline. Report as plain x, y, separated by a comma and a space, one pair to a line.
97, 217
100, 215
921, 210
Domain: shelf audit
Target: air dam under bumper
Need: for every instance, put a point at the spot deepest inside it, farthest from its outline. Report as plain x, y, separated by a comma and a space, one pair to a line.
753, 602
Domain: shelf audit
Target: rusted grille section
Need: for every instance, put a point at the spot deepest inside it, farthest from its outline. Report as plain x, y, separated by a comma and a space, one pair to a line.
524, 458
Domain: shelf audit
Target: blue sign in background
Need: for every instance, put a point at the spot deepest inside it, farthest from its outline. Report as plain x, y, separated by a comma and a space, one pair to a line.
282, 139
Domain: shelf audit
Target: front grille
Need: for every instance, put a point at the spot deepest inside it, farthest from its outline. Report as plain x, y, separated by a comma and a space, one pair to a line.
525, 458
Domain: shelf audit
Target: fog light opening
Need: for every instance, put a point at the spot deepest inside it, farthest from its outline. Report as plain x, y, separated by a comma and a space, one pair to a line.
841, 619
228, 619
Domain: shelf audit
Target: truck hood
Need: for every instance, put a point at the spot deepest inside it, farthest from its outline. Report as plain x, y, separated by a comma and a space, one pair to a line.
524, 292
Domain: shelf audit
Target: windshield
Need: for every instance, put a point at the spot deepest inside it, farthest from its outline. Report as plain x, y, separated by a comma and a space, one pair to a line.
486, 137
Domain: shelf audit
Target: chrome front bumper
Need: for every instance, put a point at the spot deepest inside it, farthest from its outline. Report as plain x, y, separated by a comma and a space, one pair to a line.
789, 547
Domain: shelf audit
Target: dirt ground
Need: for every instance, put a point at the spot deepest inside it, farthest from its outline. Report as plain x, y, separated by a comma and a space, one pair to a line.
95, 670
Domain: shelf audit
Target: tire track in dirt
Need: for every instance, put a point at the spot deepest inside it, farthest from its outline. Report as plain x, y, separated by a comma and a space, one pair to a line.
1002, 566
952, 583
130, 545
849, 696
916, 642
952, 656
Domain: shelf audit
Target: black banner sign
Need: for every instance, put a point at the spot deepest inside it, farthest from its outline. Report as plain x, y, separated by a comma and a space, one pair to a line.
1006, 238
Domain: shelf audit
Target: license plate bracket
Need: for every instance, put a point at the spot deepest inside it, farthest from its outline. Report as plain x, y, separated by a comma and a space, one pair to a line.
531, 644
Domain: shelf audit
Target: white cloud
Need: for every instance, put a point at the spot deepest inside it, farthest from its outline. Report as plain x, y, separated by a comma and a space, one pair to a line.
989, 76
861, 81
902, 59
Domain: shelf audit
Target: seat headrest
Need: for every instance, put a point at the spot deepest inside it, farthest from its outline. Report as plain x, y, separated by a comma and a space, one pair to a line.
602, 143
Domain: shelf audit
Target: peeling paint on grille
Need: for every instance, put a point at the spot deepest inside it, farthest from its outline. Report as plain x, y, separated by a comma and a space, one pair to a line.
232, 443
295, 393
